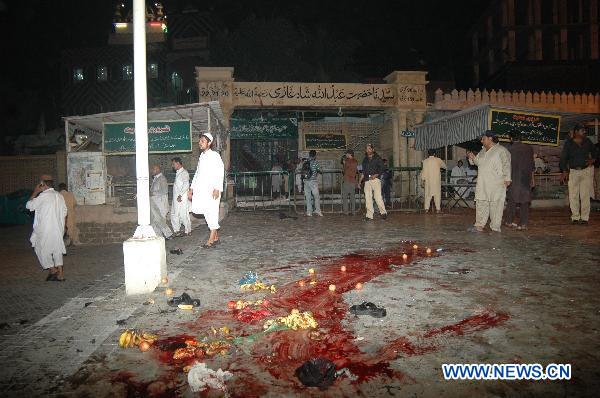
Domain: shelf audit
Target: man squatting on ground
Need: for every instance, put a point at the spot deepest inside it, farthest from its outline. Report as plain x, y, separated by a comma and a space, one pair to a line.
206, 188
48, 227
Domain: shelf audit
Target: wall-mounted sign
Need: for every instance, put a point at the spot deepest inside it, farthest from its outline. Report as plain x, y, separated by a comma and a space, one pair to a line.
325, 141
263, 128
539, 129
167, 136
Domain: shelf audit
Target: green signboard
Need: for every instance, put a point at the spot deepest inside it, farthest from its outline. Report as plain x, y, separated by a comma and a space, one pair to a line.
166, 136
539, 129
327, 141
263, 128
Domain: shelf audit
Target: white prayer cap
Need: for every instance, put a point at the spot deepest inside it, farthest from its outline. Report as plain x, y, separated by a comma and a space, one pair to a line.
208, 136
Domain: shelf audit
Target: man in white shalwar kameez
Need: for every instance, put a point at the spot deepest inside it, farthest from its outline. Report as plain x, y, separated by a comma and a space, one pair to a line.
159, 203
48, 227
432, 179
180, 212
459, 176
494, 176
206, 188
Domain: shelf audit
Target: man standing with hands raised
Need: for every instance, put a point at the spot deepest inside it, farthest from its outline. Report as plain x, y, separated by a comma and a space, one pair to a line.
207, 185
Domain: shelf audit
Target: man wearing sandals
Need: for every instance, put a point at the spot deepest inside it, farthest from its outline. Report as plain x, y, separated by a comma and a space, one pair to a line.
206, 188
48, 227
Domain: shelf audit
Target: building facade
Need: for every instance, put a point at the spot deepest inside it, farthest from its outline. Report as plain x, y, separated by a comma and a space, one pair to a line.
537, 45
98, 80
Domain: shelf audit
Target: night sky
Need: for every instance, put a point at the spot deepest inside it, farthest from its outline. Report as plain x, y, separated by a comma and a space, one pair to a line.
384, 36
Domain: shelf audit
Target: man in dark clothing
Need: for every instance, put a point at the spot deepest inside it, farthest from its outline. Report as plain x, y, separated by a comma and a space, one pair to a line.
519, 191
576, 163
372, 169
350, 167
386, 184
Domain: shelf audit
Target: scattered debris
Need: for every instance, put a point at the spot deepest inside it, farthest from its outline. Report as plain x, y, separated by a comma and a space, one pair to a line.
283, 216
121, 322
87, 304
367, 308
176, 251
198, 349
318, 372
149, 301
346, 372
251, 282
133, 338
187, 307
296, 320
200, 378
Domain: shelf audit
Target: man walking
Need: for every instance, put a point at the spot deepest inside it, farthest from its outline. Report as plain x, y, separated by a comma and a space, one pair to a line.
180, 213
494, 176
522, 174
206, 188
311, 170
349, 183
431, 178
159, 203
71, 223
372, 168
48, 227
576, 164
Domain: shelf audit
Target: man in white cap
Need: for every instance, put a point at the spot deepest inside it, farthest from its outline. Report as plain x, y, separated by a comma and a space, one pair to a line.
180, 210
206, 188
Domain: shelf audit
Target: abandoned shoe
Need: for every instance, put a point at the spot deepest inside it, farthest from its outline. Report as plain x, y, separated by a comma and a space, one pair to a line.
367, 308
183, 299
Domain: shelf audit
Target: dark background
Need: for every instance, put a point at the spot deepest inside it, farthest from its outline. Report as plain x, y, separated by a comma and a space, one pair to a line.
309, 40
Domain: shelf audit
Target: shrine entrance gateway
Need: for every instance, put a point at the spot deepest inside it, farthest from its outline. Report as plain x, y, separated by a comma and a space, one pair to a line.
402, 100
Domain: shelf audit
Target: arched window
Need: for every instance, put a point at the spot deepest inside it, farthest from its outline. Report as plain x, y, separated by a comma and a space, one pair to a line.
176, 81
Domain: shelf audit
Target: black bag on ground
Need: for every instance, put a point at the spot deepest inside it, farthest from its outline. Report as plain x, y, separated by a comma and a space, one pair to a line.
318, 372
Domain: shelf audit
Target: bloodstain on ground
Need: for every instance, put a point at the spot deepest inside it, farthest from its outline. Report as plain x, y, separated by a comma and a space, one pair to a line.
280, 353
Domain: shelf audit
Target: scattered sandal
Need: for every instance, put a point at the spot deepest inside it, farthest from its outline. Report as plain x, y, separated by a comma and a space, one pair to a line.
367, 308
184, 299
177, 251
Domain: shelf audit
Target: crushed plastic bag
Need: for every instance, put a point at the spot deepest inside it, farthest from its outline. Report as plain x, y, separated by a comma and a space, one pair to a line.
200, 378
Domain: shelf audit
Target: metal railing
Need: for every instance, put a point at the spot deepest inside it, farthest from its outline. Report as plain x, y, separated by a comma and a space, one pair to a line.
548, 186
261, 190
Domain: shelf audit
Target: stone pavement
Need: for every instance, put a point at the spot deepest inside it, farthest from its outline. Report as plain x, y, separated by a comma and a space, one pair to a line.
515, 297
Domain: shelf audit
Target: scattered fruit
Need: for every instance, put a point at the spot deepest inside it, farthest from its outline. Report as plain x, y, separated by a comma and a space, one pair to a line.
332, 288
169, 291
301, 282
428, 251
415, 247
144, 346
405, 257
185, 307
231, 304
311, 271
359, 286
133, 338
164, 280
343, 268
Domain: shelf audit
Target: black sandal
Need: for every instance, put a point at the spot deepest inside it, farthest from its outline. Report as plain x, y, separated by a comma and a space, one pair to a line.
51, 277
183, 299
207, 246
367, 308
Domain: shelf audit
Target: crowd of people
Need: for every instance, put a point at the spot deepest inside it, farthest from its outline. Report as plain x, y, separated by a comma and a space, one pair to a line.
504, 175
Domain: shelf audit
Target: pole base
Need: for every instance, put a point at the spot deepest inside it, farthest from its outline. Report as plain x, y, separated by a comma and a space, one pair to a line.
145, 264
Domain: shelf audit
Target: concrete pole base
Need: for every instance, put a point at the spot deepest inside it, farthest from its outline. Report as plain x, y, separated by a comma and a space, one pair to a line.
145, 264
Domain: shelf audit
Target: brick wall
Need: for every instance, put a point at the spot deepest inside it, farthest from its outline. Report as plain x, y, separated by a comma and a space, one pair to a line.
23, 172
97, 234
